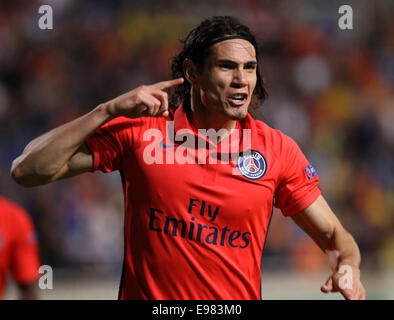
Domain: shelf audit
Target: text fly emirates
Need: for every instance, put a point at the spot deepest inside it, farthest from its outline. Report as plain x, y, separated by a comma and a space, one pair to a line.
160, 222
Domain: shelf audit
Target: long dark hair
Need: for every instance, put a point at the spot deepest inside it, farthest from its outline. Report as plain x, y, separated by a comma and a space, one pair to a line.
196, 47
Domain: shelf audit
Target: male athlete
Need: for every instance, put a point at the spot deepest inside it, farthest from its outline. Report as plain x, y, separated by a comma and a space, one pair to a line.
18, 249
196, 229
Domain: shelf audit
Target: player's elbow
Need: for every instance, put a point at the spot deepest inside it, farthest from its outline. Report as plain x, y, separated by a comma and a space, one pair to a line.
18, 174
16, 171
23, 175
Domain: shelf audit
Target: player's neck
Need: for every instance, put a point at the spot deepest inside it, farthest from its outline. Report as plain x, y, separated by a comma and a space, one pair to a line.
204, 119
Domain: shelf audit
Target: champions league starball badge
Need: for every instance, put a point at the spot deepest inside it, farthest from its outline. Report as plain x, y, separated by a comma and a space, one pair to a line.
252, 165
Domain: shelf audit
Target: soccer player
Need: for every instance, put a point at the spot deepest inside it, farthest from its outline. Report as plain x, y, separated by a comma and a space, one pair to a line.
194, 227
18, 249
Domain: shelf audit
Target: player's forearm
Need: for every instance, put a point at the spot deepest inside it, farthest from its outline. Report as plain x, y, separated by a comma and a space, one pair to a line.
347, 248
44, 156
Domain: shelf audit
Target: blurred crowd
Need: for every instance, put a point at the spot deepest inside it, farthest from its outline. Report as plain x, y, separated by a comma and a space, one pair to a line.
329, 89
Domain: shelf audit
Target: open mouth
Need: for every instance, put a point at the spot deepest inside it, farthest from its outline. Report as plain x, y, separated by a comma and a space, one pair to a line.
238, 99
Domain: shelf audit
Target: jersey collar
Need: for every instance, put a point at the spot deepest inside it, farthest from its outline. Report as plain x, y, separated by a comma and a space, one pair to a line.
182, 122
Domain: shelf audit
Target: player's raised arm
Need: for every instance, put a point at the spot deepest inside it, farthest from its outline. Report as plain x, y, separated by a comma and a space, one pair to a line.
61, 152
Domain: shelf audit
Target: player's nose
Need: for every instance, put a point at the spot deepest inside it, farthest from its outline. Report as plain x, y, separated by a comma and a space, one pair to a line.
239, 79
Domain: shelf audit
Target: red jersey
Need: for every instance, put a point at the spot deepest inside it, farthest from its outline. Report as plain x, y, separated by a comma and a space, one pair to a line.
18, 245
196, 230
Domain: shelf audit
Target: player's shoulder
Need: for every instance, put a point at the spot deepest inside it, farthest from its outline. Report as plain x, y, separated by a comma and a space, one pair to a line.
276, 137
7, 205
124, 123
13, 211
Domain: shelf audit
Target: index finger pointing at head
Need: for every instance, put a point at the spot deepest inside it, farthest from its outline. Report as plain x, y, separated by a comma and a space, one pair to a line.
168, 84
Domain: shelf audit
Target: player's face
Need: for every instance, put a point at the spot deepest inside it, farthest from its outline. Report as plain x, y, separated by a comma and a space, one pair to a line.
228, 79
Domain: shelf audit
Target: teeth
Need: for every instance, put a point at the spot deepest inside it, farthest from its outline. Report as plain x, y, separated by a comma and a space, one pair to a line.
238, 97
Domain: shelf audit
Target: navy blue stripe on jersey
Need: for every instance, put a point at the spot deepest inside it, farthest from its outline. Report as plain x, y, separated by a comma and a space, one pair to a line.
124, 235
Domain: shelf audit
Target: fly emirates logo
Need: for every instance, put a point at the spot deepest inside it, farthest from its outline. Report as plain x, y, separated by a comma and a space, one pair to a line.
160, 222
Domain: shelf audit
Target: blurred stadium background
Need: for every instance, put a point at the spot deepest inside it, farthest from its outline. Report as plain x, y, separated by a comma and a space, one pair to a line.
330, 89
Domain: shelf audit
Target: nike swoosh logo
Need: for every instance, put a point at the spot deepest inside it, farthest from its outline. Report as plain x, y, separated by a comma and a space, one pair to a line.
165, 146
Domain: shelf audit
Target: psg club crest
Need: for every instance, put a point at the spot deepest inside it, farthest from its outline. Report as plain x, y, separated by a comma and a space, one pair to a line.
252, 165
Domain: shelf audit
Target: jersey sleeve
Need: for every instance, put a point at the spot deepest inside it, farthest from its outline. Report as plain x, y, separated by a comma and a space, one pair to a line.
108, 144
25, 260
298, 185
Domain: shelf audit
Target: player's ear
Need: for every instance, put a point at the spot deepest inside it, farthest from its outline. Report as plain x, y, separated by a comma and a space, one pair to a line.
190, 70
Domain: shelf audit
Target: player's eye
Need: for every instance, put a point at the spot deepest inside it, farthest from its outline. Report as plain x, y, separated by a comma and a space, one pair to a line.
226, 66
250, 66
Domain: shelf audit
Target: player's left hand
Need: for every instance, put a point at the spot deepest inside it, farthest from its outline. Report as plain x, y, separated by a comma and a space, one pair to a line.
345, 280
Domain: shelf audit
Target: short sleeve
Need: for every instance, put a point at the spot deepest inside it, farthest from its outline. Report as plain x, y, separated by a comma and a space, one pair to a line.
25, 260
298, 183
108, 144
